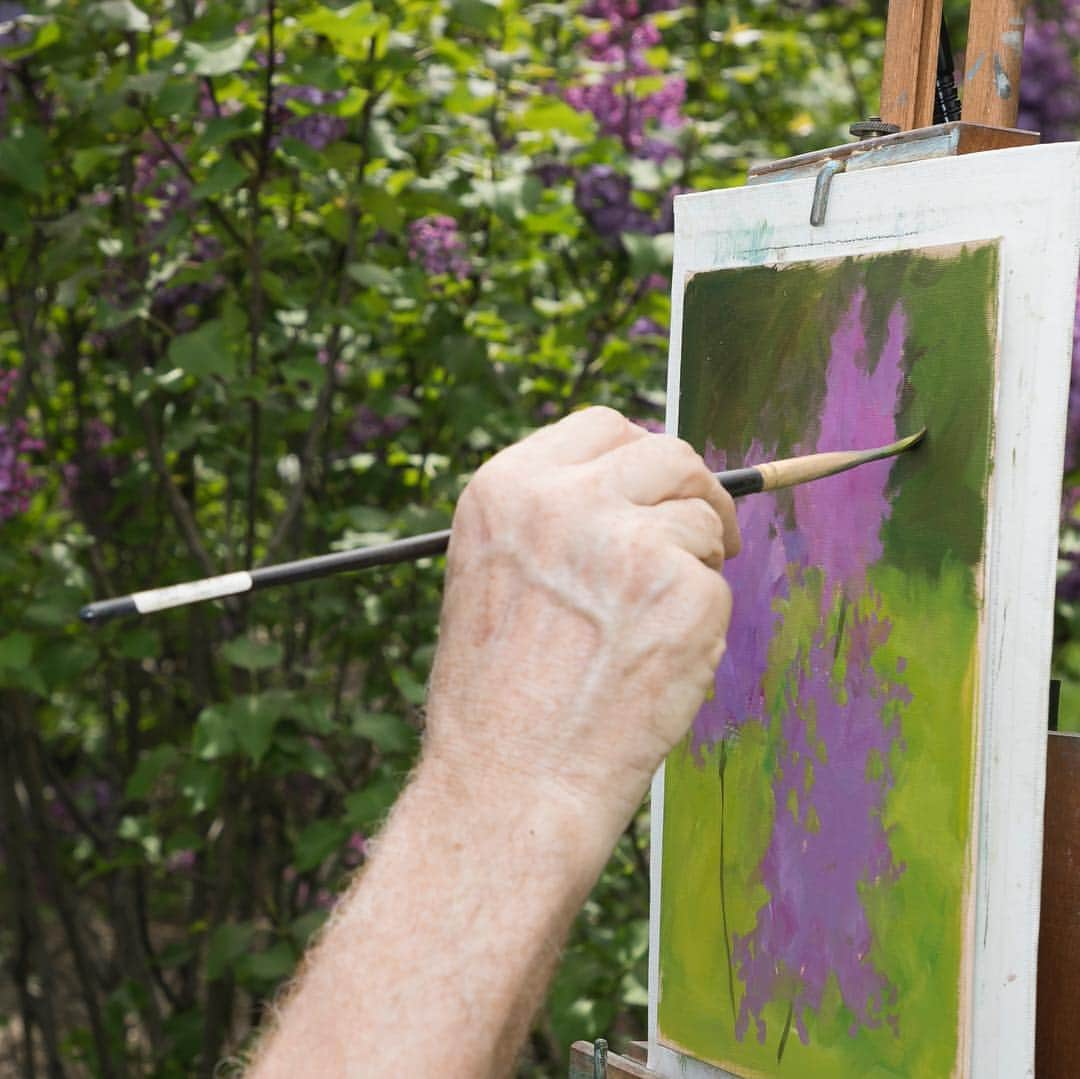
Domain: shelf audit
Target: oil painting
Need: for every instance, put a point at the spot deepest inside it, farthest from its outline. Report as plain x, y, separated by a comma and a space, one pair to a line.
819, 821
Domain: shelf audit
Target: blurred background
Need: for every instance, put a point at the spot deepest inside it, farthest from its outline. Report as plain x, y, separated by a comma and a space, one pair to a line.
276, 278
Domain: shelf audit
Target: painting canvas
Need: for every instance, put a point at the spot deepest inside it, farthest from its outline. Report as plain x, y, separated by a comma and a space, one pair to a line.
819, 821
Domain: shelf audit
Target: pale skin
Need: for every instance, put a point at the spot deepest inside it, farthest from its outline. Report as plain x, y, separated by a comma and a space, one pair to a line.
583, 619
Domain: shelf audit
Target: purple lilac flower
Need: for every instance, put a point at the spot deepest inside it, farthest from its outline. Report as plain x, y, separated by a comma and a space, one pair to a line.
551, 173
828, 842
181, 861
654, 427
17, 482
645, 327
1049, 87
316, 129
619, 47
604, 198
436, 243
758, 578
357, 848
840, 518
368, 426
12, 31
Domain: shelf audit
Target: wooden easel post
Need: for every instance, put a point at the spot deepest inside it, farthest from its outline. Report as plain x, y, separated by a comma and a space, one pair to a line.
991, 66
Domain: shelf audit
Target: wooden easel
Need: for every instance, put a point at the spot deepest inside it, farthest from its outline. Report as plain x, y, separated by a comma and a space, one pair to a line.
990, 104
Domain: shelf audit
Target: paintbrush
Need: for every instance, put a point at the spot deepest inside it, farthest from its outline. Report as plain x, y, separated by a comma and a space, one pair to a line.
738, 482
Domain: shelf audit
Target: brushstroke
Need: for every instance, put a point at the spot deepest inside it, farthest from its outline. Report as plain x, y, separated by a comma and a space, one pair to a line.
841, 518
758, 577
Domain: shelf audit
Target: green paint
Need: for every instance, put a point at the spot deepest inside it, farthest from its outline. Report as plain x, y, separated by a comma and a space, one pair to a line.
755, 346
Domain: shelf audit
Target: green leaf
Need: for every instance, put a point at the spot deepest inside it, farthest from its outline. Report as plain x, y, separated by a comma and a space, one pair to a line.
304, 927
62, 661
385, 731
219, 57
317, 842
16, 649
48, 33
350, 29
227, 944
269, 966
373, 276
22, 159
177, 97
648, 254
200, 784
479, 14
203, 352
151, 766
252, 655
138, 643
365, 808
223, 176
121, 14
253, 721
215, 734
551, 114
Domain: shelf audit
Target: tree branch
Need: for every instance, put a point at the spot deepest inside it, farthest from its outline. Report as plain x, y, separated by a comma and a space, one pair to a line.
181, 511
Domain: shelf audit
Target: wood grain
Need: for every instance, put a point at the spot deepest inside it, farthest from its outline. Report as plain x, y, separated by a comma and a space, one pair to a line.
992, 63
1057, 1033
911, 48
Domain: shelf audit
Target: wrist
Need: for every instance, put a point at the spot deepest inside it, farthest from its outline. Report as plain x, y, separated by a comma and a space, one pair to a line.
565, 834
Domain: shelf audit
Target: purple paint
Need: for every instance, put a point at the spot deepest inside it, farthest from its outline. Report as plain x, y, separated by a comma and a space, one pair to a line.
828, 841
758, 577
840, 518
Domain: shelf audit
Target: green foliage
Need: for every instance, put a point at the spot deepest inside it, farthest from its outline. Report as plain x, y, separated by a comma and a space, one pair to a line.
227, 332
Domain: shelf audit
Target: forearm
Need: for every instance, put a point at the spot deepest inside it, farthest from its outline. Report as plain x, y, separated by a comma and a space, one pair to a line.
436, 960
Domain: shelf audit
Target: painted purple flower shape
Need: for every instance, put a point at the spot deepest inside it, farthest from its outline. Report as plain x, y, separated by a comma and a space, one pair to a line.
757, 578
436, 243
828, 842
840, 518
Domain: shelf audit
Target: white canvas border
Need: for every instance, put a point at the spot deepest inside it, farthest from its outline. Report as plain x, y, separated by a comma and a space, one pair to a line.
1028, 197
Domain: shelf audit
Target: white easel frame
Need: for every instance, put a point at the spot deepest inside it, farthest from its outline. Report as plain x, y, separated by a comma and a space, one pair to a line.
1029, 198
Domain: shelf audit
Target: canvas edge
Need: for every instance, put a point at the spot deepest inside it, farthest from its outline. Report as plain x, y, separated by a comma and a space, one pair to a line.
1012, 769
999, 1045
661, 1057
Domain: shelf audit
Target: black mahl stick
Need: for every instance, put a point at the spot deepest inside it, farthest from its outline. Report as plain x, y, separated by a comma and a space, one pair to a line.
738, 482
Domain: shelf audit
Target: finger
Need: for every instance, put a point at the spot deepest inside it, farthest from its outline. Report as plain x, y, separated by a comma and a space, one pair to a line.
660, 468
583, 435
693, 525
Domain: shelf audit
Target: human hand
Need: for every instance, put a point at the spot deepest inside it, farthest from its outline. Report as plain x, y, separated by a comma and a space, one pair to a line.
584, 614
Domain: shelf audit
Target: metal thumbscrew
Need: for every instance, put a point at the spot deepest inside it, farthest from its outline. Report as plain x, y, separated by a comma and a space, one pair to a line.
872, 127
599, 1059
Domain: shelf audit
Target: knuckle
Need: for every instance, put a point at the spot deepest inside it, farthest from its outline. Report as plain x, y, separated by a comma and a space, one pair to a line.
683, 452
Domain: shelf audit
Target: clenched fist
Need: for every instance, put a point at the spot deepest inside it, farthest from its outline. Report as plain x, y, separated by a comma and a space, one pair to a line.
584, 612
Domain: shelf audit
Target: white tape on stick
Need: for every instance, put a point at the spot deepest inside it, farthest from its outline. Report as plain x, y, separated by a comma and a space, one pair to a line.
159, 599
